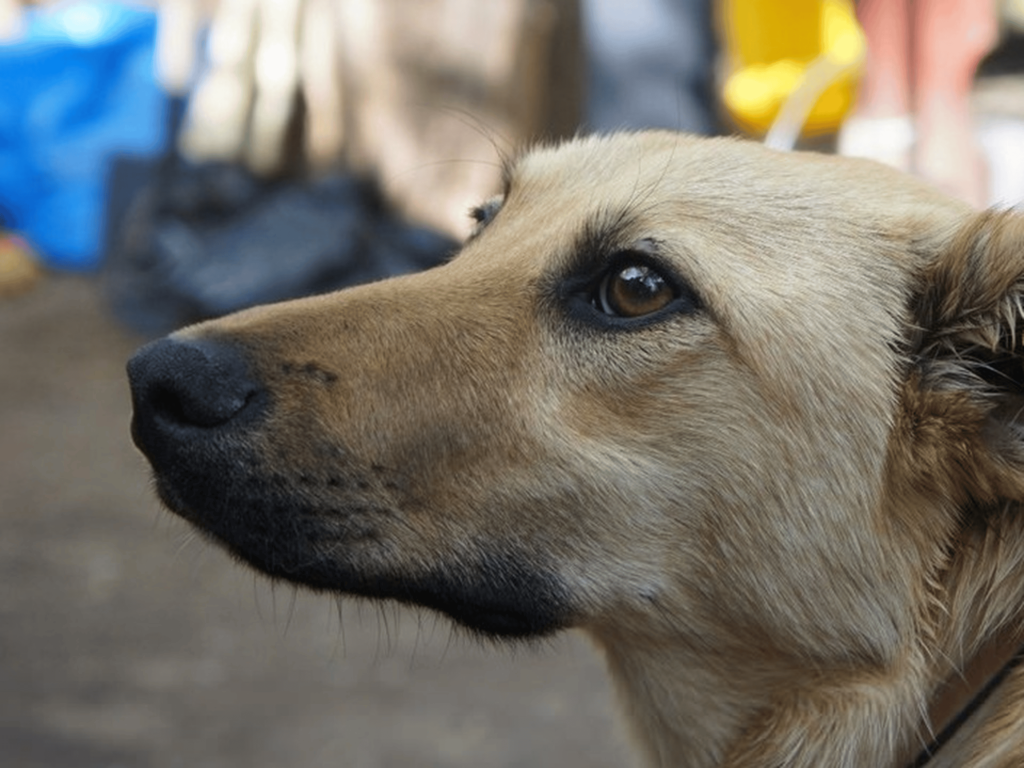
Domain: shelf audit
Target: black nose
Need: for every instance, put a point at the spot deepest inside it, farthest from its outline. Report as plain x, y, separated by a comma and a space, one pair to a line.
180, 388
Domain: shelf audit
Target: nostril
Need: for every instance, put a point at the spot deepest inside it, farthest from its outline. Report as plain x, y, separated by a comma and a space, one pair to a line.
200, 409
189, 384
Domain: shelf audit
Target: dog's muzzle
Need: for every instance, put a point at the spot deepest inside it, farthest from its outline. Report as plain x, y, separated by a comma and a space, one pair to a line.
201, 418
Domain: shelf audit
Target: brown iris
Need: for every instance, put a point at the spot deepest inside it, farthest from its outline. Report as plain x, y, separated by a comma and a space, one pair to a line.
634, 291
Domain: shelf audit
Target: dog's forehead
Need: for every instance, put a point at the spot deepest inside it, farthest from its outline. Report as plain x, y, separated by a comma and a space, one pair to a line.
633, 168
601, 173
637, 184
716, 193
615, 159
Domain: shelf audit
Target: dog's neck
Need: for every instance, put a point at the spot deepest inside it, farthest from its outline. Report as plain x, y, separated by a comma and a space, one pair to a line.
689, 707
702, 707
983, 639
967, 691
687, 713
682, 714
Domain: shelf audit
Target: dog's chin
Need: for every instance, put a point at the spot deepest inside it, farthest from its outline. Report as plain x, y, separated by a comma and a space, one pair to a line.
498, 592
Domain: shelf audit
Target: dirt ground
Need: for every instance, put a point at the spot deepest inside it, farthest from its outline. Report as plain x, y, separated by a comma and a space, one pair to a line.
125, 642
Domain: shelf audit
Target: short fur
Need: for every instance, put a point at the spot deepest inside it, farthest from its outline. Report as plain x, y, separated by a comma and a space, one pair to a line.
786, 506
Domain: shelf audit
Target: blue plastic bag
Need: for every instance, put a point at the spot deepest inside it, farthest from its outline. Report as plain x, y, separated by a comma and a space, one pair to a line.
77, 89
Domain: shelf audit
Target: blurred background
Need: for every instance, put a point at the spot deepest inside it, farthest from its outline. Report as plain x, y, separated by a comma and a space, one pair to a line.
165, 162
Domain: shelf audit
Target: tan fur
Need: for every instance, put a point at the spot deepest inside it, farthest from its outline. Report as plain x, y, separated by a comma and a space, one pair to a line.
785, 518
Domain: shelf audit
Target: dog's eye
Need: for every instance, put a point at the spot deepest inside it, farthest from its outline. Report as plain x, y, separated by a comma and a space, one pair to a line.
633, 290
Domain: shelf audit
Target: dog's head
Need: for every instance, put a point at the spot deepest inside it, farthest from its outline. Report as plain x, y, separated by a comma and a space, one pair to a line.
669, 387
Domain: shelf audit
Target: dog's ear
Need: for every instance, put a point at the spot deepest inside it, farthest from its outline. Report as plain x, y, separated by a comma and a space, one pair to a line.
964, 404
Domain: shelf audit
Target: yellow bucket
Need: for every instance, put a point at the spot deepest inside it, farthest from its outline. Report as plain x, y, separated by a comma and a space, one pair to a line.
804, 53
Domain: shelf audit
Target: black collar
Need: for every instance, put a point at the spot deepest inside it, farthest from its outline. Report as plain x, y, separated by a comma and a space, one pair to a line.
954, 703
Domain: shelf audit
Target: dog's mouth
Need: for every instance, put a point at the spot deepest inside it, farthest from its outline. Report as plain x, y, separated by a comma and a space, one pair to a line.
490, 588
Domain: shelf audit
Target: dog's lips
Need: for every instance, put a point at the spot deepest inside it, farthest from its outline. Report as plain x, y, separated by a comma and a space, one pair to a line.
230, 498
275, 526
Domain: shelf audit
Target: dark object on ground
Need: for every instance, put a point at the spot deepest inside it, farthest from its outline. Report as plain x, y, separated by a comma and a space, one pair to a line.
203, 240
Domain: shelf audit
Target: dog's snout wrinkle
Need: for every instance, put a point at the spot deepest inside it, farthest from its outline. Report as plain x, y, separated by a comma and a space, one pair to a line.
185, 385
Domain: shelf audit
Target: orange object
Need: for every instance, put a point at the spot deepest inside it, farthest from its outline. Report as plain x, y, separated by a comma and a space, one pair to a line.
19, 269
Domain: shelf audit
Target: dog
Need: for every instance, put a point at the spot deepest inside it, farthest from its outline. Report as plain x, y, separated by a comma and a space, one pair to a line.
750, 420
